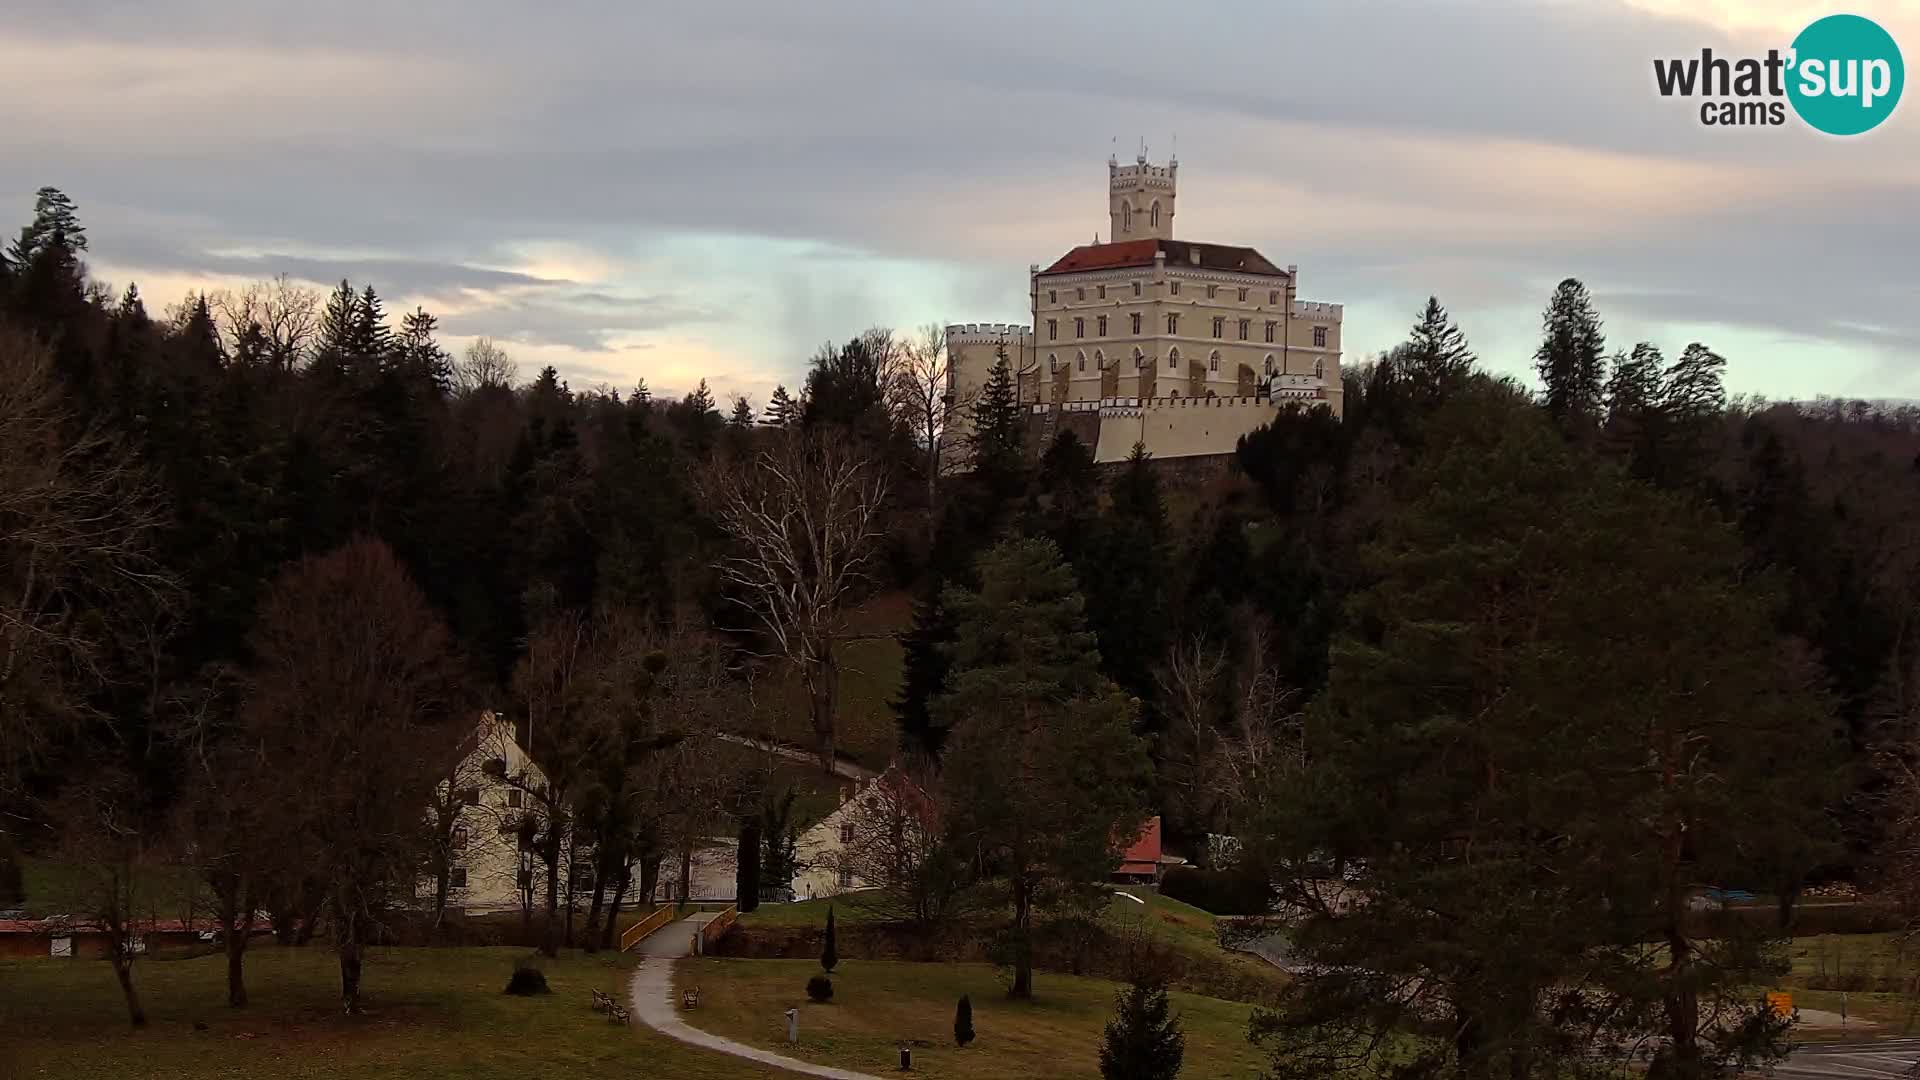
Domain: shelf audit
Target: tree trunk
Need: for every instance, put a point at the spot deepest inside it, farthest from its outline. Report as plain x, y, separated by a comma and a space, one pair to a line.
611, 932
649, 876
350, 976
550, 941
1022, 988
442, 881
823, 685
686, 873
594, 906
236, 982
122, 945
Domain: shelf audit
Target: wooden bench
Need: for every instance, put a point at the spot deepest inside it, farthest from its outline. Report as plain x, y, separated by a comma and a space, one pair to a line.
601, 1002
690, 999
616, 1014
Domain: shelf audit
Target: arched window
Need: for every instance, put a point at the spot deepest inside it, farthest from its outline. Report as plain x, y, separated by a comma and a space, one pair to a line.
1213, 362
1173, 393
1080, 362
1153, 216
1173, 359
1173, 324
1053, 363
1139, 359
1319, 369
1268, 367
1099, 360
1126, 217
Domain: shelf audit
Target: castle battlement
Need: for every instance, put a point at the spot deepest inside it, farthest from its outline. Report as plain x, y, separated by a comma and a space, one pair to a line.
1313, 308
988, 333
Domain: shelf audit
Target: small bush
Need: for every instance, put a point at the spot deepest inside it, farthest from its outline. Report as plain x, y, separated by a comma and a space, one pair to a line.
1219, 892
830, 951
820, 988
527, 980
963, 1021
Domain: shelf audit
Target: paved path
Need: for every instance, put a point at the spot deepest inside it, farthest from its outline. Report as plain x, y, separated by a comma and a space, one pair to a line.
841, 768
1881, 1059
651, 995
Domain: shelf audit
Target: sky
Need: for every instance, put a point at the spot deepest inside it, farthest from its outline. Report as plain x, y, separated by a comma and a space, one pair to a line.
673, 191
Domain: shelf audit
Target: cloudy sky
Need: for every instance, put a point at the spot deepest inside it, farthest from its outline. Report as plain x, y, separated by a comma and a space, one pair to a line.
672, 190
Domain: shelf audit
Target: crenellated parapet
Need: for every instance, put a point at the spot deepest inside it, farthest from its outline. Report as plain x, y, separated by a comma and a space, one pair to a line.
989, 334
1313, 309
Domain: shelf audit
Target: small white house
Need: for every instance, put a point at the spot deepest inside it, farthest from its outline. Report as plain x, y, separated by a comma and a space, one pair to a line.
874, 820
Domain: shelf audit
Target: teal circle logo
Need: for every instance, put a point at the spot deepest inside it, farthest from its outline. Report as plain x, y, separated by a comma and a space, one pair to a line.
1845, 75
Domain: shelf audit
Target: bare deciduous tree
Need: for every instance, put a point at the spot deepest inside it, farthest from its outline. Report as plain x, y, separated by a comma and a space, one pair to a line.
288, 315
892, 839
923, 396
485, 364
803, 516
78, 520
357, 700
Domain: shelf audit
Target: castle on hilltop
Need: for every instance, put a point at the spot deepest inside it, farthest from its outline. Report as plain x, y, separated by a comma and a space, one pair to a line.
1180, 346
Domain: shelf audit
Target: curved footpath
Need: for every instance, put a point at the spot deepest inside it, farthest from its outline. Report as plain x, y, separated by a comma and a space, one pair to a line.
650, 994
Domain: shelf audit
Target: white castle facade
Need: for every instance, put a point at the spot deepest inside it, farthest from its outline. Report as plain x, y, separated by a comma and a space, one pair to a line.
1180, 346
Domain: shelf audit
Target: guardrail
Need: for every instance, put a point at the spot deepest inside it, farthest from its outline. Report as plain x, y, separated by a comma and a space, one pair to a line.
656, 919
717, 928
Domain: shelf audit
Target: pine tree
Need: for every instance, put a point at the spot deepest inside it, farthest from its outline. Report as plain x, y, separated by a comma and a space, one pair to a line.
55, 224
1693, 388
199, 339
783, 410
421, 357
1571, 358
923, 675
1436, 355
1127, 596
830, 949
371, 339
963, 1021
742, 415
1143, 1041
131, 306
998, 430
641, 396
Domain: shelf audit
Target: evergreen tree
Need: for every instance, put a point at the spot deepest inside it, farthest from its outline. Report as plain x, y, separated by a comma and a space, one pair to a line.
963, 1021
742, 415
1125, 581
1042, 769
830, 948
924, 664
1635, 420
783, 410
1436, 356
641, 396
1571, 358
1143, 1041
422, 361
55, 224
131, 306
371, 340
199, 340
998, 430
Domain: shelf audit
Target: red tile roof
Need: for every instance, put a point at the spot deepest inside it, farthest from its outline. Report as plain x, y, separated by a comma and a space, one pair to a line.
1243, 260
1143, 856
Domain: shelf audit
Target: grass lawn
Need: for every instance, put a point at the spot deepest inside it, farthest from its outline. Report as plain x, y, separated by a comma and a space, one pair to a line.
430, 1013
59, 888
876, 1006
1863, 964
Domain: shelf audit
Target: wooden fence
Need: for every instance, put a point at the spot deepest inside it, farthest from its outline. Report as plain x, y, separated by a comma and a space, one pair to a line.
656, 919
717, 928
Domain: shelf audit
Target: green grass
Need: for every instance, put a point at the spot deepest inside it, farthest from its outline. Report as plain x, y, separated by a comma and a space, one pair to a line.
870, 673
59, 888
877, 1006
431, 1013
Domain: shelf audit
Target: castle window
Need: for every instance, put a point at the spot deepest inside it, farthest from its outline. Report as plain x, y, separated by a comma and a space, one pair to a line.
1154, 215
1270, 325
1053, 297
1319, 369
1319, 337
1219, 325
1126, 217
1243, 296
1136, 288
1103, 326
1053, 363
1080, 293
1103, 292
1244, 323
1213, 362
1136, 322
460, 838
1079, 328
1273, 297
1173, 324
1212, 291
457, 877
1080, 362
1139, 360
1053, 329
1173, 359
1174, 288
1099, 360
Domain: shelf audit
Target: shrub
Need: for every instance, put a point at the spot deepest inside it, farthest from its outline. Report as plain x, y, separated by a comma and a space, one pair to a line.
1143, 1041
527, 980
963, 1021
830, 952
820, 988
1219, 892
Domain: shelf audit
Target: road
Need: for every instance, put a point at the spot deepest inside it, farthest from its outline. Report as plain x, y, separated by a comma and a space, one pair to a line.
1878, 1060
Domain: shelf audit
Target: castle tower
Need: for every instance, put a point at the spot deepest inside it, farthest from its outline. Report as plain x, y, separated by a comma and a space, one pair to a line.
1140, 199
